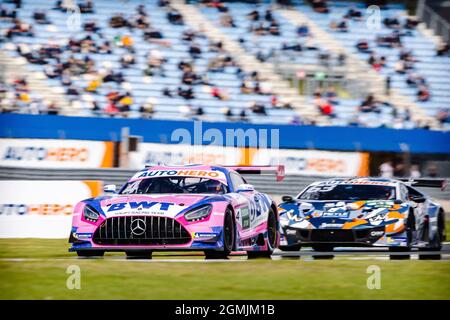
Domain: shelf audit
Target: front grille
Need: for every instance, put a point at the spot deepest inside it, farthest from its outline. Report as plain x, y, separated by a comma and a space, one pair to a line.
335, 235
141, 230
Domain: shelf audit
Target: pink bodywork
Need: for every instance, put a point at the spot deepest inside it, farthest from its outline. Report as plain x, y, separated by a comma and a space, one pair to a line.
180, 202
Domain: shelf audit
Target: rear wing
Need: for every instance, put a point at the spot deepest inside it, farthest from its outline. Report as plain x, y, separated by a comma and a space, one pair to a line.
428, 183
278, 170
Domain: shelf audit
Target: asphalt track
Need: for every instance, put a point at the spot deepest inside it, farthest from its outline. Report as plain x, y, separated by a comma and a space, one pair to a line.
236, 257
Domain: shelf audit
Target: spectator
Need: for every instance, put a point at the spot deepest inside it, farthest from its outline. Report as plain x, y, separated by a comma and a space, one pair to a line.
174, 16
258, 108
369, 105
93, 86
243, 115
253, 16
195, 51
423, 94
40, 17
443, 49
91, 26
218, 93
415, 172
127, 60
245, 87
340, 26
392, 23
303, 30
226, 20
167, 93
443, 115
323, 106
319, 6
332, 96
354, 14
363, 46
386, 169
411, 23
186, 93
119, 21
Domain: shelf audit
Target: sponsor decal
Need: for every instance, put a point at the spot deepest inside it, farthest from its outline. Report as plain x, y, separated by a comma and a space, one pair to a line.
31, 153
52, 153
181, 173
293, 216
245, 216
141, 205
335, 214
314, 162
36, 209
376, 233
204, 234
331, 225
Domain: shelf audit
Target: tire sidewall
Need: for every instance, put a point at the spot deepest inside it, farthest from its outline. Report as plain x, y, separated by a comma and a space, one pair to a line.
270, 247
227, 248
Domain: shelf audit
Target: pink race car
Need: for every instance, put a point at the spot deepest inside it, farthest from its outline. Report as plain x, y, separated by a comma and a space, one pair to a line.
206, 208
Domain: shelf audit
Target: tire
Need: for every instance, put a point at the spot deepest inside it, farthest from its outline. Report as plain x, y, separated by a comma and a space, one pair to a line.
295, 247
272, 236
441, 237
323, 248
90, 253
429, 256
229, 237
144, 254
410, 227
399, 257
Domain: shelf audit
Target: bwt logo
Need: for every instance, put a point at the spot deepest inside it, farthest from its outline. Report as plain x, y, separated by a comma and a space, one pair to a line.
42, 154
163, 206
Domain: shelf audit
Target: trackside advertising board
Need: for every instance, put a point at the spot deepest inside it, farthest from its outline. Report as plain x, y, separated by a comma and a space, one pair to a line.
41, 209
53, 153
315, 162
301, 162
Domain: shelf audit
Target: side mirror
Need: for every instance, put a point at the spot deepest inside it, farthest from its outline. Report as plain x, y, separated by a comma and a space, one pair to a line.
418, 199
245, 188
287, 199
109, 188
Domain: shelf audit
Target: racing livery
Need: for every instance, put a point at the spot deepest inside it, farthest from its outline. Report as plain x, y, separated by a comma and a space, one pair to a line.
362, 212
207, 208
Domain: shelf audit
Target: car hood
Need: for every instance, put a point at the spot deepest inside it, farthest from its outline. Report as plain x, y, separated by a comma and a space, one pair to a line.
337, 214
159, 205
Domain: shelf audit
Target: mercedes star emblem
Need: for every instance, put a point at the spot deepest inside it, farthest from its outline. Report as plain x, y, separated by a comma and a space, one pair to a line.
138, 227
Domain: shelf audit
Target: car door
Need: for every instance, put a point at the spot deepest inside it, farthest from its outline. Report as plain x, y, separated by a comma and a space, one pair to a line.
253, 209
420, 209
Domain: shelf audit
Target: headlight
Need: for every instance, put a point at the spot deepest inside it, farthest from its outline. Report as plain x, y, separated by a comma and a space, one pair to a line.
198, 213
90, 214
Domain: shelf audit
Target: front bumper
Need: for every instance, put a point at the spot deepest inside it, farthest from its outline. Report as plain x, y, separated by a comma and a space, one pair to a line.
158, 235
363, 237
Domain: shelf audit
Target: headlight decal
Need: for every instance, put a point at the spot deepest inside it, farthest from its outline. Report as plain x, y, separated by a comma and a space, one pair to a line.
90, 214
198, 213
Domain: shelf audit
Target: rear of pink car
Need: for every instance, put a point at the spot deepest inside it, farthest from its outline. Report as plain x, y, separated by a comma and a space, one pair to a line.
142, 217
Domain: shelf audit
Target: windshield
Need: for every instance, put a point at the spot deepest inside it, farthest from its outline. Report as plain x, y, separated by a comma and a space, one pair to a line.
174, 185
349, 192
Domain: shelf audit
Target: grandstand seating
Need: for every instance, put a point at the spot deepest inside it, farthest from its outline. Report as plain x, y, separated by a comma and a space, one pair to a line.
435, 69
270, 45
145, 89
